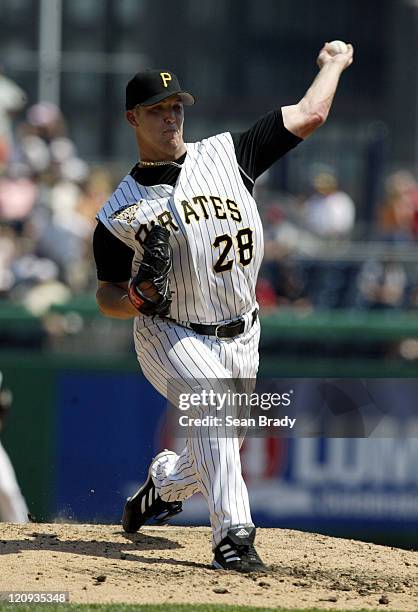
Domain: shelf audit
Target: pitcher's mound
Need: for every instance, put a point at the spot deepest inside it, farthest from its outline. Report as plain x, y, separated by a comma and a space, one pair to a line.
101, 564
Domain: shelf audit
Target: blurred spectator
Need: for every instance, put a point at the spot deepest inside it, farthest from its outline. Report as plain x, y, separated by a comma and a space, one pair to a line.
382, 285
291, 286
13, 507
64, 227
283, 236
12, 100
329, 212
398, 215
266, 295
46, 121
95, 190
8, 251
413, 297
282, 284
17, 194
48, 201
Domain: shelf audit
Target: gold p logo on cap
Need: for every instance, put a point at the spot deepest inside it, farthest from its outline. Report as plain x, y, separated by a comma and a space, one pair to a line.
166, 78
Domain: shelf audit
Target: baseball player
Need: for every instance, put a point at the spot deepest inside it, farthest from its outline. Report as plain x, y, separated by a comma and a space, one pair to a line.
178, 247
12, 504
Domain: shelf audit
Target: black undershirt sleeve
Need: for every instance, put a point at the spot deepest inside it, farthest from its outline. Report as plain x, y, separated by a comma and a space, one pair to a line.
113, 257
264, 143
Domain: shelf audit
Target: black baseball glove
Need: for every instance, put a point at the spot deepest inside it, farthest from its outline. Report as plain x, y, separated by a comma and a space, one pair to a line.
149, 290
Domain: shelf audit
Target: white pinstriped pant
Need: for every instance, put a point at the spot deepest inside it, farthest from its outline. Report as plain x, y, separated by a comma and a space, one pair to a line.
209, 464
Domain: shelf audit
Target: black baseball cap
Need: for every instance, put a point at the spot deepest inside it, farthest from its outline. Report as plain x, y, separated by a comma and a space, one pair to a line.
151, 86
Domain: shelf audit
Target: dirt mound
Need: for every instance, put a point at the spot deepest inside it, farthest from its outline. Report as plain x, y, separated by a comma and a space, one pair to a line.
101, 564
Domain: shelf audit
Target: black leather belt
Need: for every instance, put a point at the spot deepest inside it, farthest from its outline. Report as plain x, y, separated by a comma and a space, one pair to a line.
224, 330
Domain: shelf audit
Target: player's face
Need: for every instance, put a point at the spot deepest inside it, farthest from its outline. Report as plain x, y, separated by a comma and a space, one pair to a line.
160, 129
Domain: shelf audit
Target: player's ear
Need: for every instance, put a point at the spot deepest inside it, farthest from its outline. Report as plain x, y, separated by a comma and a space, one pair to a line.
131, 118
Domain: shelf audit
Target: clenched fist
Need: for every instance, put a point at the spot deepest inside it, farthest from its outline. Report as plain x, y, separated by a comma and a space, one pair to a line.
326, 56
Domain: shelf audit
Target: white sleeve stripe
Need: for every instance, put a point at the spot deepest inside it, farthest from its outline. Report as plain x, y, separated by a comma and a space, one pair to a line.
246, 175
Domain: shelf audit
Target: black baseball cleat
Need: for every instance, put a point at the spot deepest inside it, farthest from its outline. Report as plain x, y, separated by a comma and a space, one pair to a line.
236, 551
146, 504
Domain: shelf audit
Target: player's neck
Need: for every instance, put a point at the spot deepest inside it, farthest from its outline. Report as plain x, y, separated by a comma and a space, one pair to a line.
162, 156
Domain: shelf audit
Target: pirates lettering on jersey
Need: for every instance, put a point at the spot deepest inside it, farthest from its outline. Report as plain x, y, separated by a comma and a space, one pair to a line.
222, 209
189, 211
234, 210
165, 219
200, 200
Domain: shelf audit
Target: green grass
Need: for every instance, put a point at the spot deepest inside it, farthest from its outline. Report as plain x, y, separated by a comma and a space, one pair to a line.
151, 608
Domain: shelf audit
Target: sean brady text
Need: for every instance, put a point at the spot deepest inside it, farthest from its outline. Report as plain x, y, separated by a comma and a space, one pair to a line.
230, 421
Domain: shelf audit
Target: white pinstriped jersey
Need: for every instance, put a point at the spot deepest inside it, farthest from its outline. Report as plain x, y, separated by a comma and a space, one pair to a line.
215, 232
